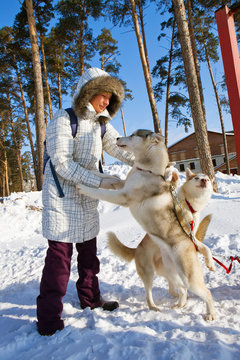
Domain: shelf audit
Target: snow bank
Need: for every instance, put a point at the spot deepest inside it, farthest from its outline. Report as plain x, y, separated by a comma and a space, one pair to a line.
132, 331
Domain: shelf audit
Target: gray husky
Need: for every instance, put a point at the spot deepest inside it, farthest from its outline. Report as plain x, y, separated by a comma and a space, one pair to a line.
148, 196
192, 197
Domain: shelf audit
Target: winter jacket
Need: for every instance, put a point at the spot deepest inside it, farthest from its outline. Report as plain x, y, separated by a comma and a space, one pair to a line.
74, 218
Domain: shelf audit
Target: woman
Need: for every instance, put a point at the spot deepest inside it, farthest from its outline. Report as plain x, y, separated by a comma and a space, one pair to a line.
74, 218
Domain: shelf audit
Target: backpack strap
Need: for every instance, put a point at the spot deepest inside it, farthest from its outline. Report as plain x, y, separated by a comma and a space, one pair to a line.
74, 125
54, 174
73, 120
103, 130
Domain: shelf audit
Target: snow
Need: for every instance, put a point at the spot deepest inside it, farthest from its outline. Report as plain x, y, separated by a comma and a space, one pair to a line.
132, 331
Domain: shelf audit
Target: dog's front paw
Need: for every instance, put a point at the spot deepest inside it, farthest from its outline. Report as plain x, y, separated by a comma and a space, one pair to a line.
119, 185
78, 189
112, 183
81, 189
210, 317
179, 305
210, 264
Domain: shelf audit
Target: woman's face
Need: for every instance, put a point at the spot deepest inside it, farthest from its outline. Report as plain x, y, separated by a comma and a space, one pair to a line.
101, 101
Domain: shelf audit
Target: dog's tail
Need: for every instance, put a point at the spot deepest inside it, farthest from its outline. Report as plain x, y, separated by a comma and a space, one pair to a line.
202, 228
119, 249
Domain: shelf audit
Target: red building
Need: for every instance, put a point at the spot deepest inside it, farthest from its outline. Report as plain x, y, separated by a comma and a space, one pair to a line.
185, 153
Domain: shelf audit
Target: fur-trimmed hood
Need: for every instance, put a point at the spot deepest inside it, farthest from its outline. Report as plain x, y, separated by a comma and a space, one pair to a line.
93, 82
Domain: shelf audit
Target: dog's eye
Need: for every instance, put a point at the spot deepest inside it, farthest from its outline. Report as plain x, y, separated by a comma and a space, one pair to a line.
196, 178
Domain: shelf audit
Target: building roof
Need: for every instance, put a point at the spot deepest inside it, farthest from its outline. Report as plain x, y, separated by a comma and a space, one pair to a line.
228, 133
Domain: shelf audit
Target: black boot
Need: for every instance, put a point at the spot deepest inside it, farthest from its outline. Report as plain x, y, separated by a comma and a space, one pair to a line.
110, 305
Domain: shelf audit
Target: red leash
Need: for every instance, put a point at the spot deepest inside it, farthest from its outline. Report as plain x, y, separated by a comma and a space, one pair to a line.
228, 270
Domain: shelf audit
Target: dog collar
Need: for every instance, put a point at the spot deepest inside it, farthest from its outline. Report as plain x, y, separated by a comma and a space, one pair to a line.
149, 171
190, 207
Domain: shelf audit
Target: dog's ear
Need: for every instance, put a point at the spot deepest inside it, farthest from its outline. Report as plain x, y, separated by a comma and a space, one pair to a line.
171, 173
157, 137
189, 173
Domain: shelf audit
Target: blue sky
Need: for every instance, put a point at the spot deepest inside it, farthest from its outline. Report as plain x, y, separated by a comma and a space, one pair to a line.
137, 112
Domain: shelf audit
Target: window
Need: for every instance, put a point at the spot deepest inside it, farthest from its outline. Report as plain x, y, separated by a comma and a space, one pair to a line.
214, 162
181, 167
192, 165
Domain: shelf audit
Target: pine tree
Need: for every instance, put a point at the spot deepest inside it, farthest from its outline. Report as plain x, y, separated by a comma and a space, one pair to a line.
108, 51
169, 69
4, 179
40, 125
74, 30
15, 57
130, 13
57, 58
194, 93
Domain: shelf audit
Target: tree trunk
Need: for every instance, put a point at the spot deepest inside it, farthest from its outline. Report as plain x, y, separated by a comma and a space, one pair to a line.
195, 57
123, 121
168, 84
27, 119
147, 74
6, 191
102, 62
46, 78
82, 51
194, 93
17, 150
2, 183
40, 126
219, 111
139, 2
19, 162
59, 90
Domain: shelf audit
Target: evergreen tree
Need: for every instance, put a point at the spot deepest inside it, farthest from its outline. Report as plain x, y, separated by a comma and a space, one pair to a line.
57, 58
130, 13
170, 70
108, 50
4, 173
40, 126
13, 134
16, 58
194, 93
43, 10
74, 30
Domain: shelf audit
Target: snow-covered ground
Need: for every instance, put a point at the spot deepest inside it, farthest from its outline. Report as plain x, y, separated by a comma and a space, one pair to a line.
132, 331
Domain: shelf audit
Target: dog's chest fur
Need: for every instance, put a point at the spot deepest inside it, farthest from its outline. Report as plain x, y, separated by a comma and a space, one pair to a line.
141, 186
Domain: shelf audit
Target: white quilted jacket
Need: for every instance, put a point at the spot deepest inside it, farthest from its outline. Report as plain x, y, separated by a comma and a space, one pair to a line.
74, 218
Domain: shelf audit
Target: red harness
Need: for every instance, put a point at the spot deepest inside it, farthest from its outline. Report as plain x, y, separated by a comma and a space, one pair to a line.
192, 222
190, 206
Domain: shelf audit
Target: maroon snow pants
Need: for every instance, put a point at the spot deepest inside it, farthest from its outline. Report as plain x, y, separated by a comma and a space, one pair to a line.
55, 277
